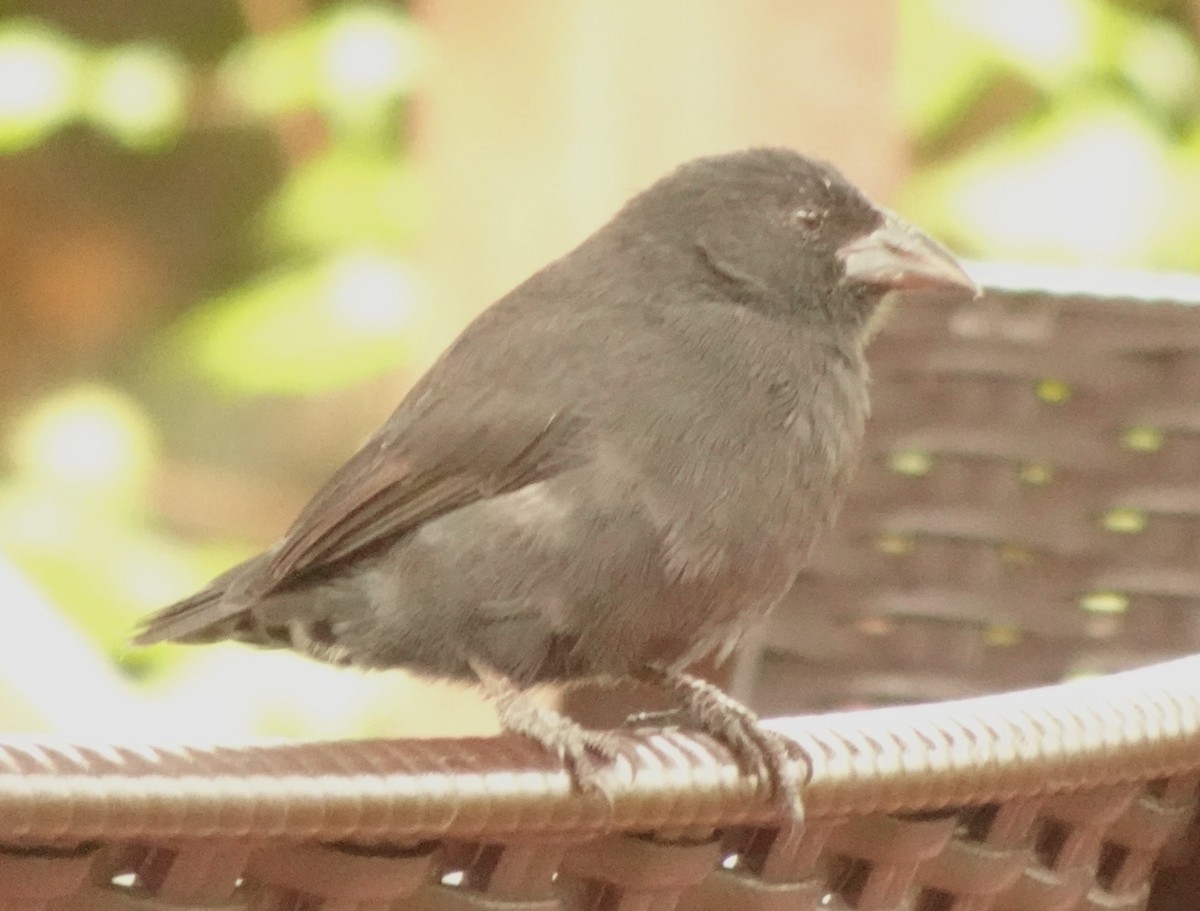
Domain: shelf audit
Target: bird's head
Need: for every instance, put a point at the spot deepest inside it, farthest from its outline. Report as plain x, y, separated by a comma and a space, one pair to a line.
786, 233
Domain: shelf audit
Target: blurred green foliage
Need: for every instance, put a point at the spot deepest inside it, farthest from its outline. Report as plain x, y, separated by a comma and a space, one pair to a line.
354, 311
1082, 111
1058, 130
326, 303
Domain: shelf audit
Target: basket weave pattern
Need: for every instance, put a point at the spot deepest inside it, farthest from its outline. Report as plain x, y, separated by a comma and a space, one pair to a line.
1028, 509
1026, 513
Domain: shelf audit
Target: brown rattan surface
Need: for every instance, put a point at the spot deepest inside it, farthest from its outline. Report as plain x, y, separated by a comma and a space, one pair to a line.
1027, 513
1028, 508
1040, 799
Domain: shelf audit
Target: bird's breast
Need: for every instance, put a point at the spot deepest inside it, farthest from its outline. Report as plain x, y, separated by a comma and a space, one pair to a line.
744, 549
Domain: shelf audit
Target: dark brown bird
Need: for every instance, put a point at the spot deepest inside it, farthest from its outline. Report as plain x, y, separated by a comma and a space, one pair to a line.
615, 469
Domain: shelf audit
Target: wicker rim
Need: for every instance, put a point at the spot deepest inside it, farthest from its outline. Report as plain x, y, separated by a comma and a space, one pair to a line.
1142, 724
1093, 282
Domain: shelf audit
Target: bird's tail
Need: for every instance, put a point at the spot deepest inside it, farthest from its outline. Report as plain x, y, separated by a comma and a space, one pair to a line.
210, 615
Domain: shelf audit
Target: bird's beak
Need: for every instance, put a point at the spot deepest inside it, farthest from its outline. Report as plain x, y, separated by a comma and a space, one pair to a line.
898, 257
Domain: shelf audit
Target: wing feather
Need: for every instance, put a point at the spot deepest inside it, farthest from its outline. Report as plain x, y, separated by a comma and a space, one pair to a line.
386, 491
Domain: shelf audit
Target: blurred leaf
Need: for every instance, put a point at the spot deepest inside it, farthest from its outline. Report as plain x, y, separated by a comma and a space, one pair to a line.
138, 93
306, 330
73, 515
942, 66
1146, 6
1161, 63
91, 443
1051, 41
39, 83
1087, 183
274, 74
344, 199
351, 62
102, 568
1177, 242
367, 55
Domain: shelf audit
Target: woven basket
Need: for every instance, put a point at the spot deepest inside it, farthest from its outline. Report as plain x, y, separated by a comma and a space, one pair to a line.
1028, 510
1027, 513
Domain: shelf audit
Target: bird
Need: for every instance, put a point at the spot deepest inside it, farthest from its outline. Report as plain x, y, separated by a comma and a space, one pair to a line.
617, 468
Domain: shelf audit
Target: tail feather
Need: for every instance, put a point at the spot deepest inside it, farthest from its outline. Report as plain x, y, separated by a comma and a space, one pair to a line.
185, 621
228, 609
209, 615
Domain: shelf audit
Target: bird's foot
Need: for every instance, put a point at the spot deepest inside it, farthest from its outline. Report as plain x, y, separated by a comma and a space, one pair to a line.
756, 749
589, 755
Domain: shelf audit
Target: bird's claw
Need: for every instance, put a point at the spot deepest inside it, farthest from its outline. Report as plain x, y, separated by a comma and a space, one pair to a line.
588, 755
771, 757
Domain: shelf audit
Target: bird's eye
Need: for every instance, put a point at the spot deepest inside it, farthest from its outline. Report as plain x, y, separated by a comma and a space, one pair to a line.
809, 218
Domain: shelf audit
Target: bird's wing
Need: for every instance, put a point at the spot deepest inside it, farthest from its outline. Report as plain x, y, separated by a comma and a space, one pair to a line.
397, 482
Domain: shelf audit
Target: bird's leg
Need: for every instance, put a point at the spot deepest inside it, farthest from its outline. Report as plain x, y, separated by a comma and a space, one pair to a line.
717, 713
587, 753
